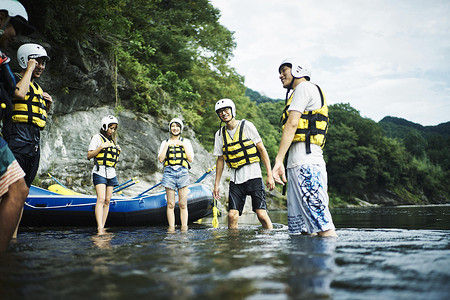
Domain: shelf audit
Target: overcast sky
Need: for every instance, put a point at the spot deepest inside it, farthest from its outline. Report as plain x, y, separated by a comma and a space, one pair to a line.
384, 57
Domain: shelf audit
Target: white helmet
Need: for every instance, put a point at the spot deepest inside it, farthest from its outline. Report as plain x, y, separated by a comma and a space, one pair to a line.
18, 14
222, 103
108, 120
178, 121
299, 67
14, 9
28, 51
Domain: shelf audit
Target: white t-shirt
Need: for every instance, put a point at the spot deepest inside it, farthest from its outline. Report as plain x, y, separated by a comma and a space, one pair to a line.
306, 98
187, 145
245, 172
104, 171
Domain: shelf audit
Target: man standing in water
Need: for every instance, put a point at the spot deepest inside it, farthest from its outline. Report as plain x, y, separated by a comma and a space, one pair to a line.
13, 189
305, 124
239, 145
29, 111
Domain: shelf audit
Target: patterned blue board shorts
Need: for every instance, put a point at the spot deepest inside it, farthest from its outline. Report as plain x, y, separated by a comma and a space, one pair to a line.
308, 200
175, 178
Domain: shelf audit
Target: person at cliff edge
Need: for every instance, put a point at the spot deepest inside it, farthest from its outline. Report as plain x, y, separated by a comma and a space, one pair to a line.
13, 189
305, 124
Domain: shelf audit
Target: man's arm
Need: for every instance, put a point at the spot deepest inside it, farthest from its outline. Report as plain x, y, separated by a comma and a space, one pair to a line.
286, 141
266, 160
219, 170
48, 100
24, 84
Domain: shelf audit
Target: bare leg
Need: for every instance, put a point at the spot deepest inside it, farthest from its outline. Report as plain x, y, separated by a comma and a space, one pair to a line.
18, 223
10, 210
233, 216
99, 206
20, 217
109, 191
264, 218
182, 202
170, 195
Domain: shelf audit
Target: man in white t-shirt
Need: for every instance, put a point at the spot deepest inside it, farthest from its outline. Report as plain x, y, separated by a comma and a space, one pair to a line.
239, 145
305, 124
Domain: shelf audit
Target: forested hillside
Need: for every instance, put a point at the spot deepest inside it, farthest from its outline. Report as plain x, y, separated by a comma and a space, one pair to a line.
363, 160
171, 57
399, 128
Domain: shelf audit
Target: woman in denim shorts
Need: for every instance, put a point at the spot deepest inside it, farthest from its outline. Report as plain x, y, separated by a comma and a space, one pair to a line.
176, 153
105, 151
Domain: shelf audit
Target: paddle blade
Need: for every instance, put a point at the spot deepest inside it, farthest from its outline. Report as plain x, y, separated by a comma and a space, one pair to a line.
215, 221
56, 188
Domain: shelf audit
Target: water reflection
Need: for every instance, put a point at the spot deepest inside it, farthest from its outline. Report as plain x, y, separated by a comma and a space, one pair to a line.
180, 259
102, 241
312, 266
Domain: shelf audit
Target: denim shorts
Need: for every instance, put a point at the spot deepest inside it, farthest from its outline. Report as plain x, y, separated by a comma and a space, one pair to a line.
97, 179
175, 178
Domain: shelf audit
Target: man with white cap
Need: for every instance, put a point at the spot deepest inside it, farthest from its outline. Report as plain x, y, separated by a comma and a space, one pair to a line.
30, 107
239, 146
305, 124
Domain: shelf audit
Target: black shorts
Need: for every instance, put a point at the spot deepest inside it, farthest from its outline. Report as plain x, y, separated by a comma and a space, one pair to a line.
238, 193
28, 156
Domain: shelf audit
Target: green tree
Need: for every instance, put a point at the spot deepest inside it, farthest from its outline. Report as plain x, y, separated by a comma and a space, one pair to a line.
415, 143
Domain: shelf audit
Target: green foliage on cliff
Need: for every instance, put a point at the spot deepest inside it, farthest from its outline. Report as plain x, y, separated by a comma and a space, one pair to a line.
158, 45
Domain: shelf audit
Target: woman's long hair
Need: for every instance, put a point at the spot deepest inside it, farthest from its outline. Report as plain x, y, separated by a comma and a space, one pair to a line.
105, 134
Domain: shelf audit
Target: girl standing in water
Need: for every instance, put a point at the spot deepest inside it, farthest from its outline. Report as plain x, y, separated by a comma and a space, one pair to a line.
176, 153
105, 151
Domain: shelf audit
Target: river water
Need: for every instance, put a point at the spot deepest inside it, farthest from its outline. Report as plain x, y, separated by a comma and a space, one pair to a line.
381, 253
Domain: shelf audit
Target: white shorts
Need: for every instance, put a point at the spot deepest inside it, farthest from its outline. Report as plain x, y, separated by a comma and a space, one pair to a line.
307, 200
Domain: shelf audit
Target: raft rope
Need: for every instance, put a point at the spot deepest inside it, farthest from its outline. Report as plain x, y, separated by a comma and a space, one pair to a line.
80, 205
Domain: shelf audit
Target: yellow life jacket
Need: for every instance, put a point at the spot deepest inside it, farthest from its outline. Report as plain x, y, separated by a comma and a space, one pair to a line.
108, 156
239, 150
176, 155
312, 126
31, 110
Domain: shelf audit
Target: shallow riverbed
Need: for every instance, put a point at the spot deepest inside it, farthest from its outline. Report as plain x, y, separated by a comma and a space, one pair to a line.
389, 253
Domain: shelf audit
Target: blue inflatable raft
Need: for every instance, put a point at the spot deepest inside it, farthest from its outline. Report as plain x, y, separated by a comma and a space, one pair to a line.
46, 208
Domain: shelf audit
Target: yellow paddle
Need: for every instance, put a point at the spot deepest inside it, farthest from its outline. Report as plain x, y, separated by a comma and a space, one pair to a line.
215, 221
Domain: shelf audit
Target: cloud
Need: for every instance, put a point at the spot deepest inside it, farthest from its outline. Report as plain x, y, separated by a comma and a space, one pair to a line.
383, 57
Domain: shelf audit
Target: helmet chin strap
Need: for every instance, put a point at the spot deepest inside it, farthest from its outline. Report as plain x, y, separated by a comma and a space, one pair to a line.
288, 90
2, 30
